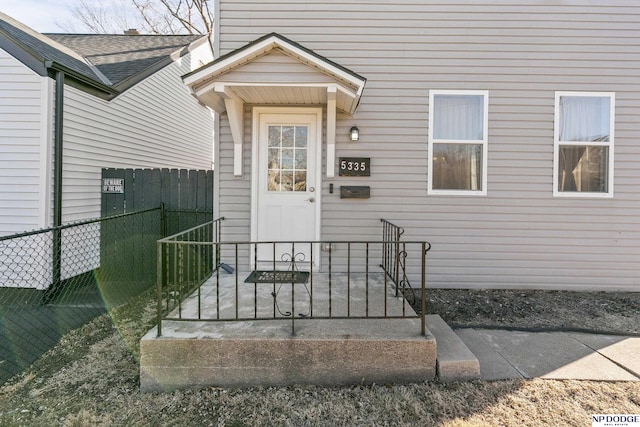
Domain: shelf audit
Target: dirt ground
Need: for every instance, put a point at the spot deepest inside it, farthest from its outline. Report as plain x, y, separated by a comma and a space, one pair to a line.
549, 310
92, 378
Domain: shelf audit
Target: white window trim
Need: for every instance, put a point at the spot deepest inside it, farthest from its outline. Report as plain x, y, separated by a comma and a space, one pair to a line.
557, 143
484, 142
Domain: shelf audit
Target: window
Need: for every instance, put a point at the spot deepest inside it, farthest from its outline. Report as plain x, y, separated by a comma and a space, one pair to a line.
287, 161
583, 144
458, 142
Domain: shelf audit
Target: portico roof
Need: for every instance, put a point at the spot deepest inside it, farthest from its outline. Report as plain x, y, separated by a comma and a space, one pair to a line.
275, 70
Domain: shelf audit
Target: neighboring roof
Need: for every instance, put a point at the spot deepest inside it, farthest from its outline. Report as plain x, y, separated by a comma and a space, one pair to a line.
120, 57
104, 65
208, 81
34, 49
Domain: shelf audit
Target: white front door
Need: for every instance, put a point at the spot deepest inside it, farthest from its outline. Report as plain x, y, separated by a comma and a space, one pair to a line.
287, 185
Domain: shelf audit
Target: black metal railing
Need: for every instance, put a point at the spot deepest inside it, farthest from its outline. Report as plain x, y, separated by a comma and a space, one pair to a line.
391, 235
394, 260
283, 280
185, 261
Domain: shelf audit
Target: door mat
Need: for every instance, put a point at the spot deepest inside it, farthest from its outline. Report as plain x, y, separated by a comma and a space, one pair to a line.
277, 277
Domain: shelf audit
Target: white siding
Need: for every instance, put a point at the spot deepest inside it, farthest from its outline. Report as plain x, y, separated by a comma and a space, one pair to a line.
518, 235
23, 138
156, 124
234, 193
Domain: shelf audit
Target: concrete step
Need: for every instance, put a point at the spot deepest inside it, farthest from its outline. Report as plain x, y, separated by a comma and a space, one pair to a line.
454, 360
251, 353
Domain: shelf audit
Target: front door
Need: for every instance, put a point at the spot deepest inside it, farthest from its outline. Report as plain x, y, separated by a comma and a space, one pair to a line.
287, 189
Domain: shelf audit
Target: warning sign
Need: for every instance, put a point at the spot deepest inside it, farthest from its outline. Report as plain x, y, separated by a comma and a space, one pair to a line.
113, 185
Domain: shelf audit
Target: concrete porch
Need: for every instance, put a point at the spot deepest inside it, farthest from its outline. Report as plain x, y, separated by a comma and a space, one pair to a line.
322, 350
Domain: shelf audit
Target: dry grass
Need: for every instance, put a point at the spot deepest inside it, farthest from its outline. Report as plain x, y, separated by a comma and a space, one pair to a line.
97, 384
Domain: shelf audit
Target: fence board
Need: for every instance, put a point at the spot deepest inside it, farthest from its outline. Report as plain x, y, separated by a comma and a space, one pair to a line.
209, 190
139, 185
179, 190
201, 187
129, 191
153, 188
173, 202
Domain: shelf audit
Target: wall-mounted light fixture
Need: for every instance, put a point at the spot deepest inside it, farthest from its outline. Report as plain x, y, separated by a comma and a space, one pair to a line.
354, 133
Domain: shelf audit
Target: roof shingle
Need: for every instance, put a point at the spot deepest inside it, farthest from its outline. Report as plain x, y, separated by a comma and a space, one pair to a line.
117, 61
120, 57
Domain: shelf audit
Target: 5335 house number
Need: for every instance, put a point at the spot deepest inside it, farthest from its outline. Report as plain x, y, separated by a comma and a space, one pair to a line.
355, 166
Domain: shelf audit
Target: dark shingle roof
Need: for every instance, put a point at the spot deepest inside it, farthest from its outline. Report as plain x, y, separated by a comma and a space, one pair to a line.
110, 63
119, 57
36, 48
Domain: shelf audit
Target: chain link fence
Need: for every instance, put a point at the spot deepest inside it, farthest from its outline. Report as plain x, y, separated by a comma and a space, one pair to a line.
55, 280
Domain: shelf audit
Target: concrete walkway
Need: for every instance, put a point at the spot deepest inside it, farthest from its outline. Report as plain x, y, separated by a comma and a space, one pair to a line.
507, 354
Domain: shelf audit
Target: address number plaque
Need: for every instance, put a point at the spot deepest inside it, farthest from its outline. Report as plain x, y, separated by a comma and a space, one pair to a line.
354, 166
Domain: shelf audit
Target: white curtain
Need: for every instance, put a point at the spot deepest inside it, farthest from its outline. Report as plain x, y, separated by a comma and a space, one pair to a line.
458, 117
584, 118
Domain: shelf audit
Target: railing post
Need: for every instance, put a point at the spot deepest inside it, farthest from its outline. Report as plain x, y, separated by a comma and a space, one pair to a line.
366, 279
237, 295
163, 221
217, 279
180, 257
311, 280
349, 279
159, 280
423, 297
330, 271
293, 290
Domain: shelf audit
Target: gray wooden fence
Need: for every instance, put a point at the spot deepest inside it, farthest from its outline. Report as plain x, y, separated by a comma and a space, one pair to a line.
131, 190
186, 199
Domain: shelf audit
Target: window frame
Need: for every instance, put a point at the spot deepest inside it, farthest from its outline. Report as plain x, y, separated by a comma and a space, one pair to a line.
610, 144
483, 143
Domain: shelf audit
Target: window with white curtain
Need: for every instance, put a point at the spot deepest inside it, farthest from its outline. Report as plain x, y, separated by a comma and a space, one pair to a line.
583, 144
458, 142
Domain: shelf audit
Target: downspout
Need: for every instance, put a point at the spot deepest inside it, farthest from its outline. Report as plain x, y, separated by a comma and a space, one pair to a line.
55, 287
57, 150
97, 88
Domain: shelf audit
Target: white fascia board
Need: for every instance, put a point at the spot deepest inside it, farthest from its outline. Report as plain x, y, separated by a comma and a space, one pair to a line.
265, 46
231, 62
323, 65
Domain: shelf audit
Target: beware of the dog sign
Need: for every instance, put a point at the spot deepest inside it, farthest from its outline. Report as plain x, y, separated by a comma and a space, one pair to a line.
113, 185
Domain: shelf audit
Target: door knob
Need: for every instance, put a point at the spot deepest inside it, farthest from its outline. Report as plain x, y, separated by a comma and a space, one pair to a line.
311, 199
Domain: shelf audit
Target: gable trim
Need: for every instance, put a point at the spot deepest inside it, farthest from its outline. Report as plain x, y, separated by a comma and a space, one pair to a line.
262, 46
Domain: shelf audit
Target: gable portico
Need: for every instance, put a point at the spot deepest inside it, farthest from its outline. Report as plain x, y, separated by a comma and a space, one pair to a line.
274, 70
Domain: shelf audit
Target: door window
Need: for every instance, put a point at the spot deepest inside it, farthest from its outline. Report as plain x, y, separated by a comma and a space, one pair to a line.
287, 158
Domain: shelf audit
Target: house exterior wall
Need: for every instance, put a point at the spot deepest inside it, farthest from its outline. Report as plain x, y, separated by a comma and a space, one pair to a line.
518, 235
155, 124
24, 146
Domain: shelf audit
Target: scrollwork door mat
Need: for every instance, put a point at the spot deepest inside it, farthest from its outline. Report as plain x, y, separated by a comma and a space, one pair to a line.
260, 276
